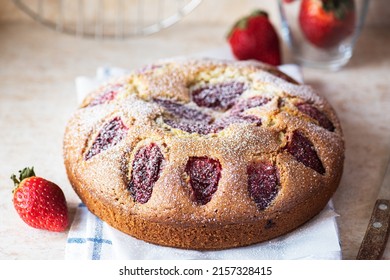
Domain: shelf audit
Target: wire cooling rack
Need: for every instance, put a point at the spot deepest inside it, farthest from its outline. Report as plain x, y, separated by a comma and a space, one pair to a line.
116, 19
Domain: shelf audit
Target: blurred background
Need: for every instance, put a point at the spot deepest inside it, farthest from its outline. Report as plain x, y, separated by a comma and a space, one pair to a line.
208, 12
127, 21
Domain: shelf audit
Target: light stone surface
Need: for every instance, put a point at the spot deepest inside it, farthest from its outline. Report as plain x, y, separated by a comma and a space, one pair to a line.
37, 96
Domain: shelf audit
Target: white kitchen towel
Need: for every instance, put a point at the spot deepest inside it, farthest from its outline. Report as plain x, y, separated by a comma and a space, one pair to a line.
90, 238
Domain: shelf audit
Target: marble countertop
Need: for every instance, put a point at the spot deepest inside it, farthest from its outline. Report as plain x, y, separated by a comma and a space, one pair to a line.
37, 96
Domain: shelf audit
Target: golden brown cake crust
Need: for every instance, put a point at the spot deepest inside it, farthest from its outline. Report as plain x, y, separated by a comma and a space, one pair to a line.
271, 133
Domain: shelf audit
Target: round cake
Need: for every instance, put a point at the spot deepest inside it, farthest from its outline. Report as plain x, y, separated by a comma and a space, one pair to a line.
204, 154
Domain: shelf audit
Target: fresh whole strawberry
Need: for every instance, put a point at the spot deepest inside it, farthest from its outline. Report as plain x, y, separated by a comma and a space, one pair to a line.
40, 203
254, 37
325, 23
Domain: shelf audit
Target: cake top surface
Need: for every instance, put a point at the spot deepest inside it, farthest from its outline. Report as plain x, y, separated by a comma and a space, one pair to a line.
200, 135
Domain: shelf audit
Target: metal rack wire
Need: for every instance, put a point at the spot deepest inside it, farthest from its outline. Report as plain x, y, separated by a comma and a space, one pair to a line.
115, 19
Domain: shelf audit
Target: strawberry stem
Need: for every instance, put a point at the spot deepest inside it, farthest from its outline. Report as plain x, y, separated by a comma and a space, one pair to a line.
257, 13
340, 8
23, 174
15, 180
243, 22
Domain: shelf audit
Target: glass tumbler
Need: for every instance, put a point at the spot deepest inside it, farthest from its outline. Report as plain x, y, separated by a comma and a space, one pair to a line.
322, 33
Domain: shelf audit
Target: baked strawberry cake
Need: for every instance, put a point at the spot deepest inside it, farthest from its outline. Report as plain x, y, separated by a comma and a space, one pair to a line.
204, 154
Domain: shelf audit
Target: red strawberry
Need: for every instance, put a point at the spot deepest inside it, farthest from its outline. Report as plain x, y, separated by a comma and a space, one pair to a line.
325, 23
40, 203
254, 37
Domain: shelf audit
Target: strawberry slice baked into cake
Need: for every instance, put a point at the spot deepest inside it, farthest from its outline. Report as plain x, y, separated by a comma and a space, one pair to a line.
204, 154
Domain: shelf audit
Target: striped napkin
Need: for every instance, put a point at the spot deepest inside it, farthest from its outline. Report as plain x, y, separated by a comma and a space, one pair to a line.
92, 239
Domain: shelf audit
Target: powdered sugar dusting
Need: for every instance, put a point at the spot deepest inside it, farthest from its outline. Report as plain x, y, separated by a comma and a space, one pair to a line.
157, 107
304, 91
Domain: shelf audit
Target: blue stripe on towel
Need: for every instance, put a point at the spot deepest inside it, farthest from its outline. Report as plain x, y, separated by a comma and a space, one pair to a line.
80, 240
107, 72
97, 240
97, 246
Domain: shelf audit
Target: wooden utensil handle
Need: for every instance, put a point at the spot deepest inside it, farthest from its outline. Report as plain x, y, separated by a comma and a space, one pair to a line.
375, 239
